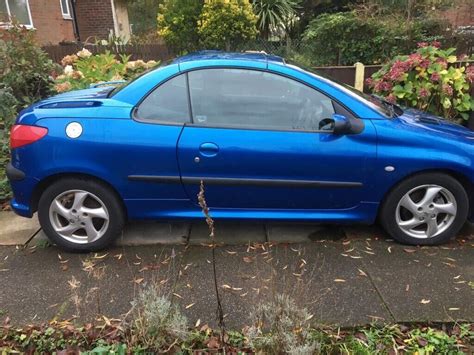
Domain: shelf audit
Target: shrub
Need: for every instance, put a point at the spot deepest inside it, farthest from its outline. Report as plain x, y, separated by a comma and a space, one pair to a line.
83, 69
8, 105
280, 326
345, 38
24, 67
427, 80
177, 24
223, 23
156, 322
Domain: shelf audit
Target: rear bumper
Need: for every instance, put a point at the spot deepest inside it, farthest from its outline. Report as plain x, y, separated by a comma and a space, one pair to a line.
23, 187
21, 209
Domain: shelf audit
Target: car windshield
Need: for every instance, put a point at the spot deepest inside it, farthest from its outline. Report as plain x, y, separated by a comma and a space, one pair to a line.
375, 102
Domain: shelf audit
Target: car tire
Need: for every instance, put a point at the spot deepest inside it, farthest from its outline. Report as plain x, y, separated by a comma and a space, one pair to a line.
425, 209
80, 215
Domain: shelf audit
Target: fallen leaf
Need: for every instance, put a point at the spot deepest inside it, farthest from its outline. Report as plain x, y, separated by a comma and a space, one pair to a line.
423, 301
190, 305
138, 280
362, 273
198, 322
389, 249
339, 280
96, 256
355, 257
406, 250
454, 309
231, 252
177, 295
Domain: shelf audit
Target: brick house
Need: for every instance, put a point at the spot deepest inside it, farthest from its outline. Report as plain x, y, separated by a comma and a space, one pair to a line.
60, 21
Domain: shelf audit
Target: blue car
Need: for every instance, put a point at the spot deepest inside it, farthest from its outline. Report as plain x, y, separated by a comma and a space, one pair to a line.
269, 141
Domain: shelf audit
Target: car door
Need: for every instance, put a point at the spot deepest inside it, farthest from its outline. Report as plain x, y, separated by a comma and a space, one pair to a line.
258, 141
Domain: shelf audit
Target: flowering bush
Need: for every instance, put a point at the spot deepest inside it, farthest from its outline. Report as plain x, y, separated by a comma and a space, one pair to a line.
25, 69
429, 80
82, 69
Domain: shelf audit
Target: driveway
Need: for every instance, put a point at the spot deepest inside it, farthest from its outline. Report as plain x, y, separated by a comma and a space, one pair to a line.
343, 275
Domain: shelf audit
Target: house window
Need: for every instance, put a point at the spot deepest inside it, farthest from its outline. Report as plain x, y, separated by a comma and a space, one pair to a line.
17, 10
65, 9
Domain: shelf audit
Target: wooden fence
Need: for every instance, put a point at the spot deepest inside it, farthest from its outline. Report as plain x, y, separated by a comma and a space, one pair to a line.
138, 51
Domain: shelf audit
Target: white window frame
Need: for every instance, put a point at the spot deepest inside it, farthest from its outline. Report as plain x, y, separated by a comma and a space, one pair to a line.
66, 14
8, 24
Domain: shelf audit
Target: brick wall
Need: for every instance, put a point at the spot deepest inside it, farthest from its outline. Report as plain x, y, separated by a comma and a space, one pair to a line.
462, 14
94, 18
49, 23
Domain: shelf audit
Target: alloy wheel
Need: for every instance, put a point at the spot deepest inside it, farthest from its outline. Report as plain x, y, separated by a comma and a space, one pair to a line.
426, 211
79, 216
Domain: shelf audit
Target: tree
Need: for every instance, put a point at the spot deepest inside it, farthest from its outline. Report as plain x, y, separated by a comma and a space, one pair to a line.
274, 15
178, 24
225, 23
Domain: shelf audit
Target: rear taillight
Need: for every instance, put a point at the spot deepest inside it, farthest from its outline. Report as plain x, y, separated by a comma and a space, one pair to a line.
21, 135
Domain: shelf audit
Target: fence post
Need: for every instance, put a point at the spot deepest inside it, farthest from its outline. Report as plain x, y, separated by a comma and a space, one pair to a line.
359, 76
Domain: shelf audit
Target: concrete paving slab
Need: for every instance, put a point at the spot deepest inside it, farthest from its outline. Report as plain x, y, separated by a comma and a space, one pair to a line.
38, 284
142, 233
315, 275
152, 232
16, 230
228, 233
422, 283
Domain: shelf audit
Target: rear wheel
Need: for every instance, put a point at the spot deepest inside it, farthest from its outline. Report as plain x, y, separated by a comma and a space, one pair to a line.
426, 209
80, 215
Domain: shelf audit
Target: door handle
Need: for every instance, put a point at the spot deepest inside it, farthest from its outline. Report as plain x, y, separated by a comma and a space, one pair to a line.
209, 149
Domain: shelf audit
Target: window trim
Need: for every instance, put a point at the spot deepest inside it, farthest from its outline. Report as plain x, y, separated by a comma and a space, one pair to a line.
66, 14
9, 23
191, 122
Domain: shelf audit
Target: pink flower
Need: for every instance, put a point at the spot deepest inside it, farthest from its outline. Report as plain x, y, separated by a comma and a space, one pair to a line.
436, 44
447, 90
391, 98
470, 73
415, 58
463, 57
422, 44
398, 69
443, 62
369, 82
423, 92
435, 76
381, 85
425, 63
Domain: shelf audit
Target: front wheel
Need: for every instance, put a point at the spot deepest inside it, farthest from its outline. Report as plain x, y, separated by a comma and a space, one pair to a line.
80, 215
426, 209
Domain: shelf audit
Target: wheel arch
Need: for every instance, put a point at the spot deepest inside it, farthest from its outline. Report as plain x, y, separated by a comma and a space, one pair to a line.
46, 182
459, 177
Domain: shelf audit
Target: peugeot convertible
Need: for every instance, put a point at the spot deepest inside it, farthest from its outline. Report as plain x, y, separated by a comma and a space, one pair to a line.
268, 140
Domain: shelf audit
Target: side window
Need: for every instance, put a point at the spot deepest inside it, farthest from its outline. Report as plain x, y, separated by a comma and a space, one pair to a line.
256, 99
167, 103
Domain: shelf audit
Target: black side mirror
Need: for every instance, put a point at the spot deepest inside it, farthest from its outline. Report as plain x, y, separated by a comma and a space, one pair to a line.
342, 125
